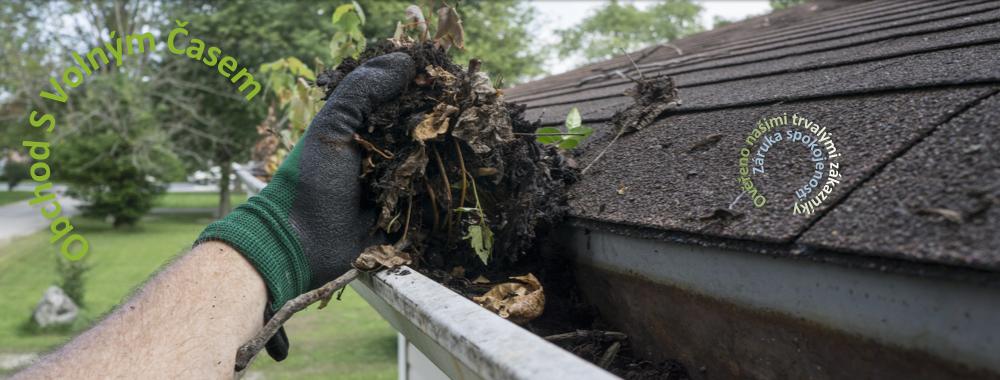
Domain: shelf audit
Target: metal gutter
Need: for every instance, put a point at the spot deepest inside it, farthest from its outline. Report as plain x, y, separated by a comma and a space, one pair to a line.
461, 338
251, 184
810, 313
464, 340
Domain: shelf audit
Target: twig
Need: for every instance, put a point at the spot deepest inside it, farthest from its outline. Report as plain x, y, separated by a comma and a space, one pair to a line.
447, 188
605, 150
628, 77
461, 163
434, 207
406, 225
672, 46
609, 355
587, 334
369, 146
548, 134
250, 349
636, 66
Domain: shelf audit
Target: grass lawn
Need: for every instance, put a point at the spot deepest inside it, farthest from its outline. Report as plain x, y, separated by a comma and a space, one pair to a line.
197, 200
347, 340
13, 196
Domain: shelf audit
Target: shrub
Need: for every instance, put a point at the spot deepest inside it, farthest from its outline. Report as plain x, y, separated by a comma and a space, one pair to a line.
71, 278
14, 172
117, 160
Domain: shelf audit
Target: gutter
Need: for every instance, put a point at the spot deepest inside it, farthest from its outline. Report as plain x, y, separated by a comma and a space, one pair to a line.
730, 313
463, 340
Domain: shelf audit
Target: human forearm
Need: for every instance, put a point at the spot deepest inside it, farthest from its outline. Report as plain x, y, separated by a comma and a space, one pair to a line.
188, 321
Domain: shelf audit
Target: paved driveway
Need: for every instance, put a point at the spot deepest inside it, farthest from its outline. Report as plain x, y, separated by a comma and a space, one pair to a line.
19, 219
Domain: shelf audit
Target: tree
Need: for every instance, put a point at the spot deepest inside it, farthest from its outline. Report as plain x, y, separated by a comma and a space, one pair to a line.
782, 4
719, 21
112, 139
255, 33
617, 27
116, 157
497, 33
23, 53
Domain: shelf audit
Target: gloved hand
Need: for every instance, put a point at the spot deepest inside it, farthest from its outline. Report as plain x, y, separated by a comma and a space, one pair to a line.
306, 227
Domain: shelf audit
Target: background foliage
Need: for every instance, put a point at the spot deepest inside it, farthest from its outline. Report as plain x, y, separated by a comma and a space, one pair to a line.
617, 27
183, 117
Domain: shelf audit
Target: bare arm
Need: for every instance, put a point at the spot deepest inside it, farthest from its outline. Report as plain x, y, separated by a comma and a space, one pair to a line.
187, 322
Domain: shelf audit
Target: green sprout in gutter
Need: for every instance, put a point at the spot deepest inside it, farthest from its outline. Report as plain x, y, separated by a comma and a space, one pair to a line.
567, 138
479, 235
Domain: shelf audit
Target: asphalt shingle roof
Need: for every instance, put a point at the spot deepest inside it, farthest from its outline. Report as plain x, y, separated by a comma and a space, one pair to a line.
908, 91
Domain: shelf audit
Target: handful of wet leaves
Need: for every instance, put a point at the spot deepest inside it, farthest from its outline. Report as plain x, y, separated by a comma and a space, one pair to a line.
456, 175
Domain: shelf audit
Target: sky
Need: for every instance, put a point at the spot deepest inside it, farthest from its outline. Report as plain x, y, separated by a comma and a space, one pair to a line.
559, 14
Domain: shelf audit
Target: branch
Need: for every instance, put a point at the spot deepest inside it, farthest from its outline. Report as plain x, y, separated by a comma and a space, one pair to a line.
323, 293
586, 334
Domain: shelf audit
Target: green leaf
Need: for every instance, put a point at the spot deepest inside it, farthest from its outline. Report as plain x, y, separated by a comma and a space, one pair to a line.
341, 11
300, 69
585, 131
349, 23
481, 239
542, 139
466, 209
573, 119
568, 144
361, 12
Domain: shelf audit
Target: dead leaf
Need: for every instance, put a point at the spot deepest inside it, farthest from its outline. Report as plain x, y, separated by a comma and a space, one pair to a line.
706, 143
519, 301
435, 123
483, 88
449, 29
486, 172
484, 127
458, 271
402, 179
652, 97
481, 280
446, 78
381, 256
415, 19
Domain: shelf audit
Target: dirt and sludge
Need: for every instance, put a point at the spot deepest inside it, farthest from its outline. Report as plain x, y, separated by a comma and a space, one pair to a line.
465, 193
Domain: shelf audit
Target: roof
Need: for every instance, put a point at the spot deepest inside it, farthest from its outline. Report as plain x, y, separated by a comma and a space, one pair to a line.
907, 90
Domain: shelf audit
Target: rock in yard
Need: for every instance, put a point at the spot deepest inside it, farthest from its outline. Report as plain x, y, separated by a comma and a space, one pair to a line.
55, 308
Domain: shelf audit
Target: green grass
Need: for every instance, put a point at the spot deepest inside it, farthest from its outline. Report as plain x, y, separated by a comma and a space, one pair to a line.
197, 200
347, 340
13, 196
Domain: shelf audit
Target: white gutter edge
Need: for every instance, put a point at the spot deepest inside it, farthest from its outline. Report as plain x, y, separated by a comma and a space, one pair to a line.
464, 340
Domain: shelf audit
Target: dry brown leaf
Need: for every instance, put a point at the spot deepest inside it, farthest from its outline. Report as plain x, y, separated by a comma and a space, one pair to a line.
401, 182
435, 123
415, 17
446, 78
483, 88
484, 127
381, 256
519, 301
481, 280
449, 29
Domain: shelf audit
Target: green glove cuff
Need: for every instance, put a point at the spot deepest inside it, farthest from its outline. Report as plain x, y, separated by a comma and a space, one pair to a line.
261, 231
